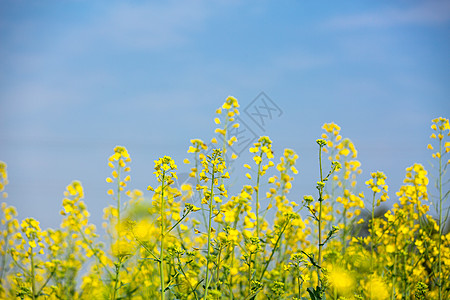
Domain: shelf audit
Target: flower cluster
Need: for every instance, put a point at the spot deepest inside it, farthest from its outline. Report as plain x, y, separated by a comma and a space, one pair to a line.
117, 162
244, 242
3, 179
228, 113
378, 185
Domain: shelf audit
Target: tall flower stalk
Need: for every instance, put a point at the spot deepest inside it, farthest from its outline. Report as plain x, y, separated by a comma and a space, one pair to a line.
165, 173
228, 113
317, 216
213, 170
117, 163
320, 187
378, 185
261, 149
440, 126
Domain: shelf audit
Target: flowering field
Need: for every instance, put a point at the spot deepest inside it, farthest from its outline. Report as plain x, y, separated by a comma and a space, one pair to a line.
199, 241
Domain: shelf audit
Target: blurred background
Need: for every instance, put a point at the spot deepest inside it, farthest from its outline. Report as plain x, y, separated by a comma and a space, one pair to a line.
79, 77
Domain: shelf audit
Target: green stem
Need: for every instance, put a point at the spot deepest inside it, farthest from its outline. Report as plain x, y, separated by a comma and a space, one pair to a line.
320, 220
211, 197
232, 251
161, 254
117, 229
344, 233
179, 221
273, 250
89, 243
440, 219
218, 264
257, 209
249, 275
144, 246
372, 231
118, 199
33, 279
5, 248
405, 281
257, 199
19, 266
394, 274
46, 281
320, 242
199, 191
186, 278
116, 278
224, 147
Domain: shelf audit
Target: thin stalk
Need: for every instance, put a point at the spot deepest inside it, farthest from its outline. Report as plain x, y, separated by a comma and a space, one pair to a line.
394, 274
257, 199
33, 279
440, 220
199, 191
118, 199
2, 270
178, 222
19, 266
249, 275
344, 233
372, 231
224, 147
320, 219
161, 254
92, 249
257, 211
232, 251
187, 279
211, 197
144, 246
320, 242
116, 279
273, 250
404, 279
218, 264
46, 281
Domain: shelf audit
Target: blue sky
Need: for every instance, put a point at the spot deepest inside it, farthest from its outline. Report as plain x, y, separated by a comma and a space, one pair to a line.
79, 77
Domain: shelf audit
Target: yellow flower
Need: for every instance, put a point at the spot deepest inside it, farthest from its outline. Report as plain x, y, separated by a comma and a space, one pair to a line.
32, 244
257, 159
376, 289
390, 248
341, 281
294, 170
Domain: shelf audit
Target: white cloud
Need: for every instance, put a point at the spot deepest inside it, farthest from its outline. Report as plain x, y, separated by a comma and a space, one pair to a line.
34, 97
48, 81
152, 25
143, 26
424, 13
